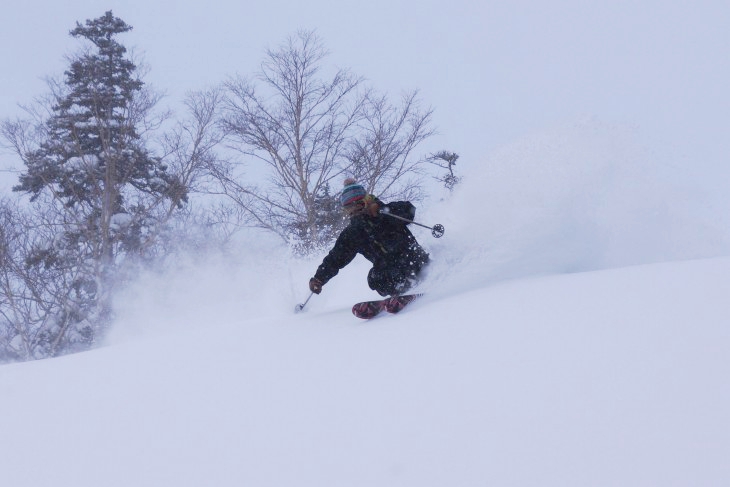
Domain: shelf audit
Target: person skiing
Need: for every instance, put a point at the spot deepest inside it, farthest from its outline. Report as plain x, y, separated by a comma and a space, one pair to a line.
396, 256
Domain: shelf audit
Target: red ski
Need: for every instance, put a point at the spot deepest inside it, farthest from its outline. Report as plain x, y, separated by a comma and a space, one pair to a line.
370, 309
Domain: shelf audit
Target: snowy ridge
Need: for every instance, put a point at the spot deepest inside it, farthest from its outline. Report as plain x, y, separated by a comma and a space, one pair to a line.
575, 332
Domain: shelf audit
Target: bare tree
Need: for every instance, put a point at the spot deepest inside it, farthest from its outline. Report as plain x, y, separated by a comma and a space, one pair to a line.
381, 156
446, 160
39, 303
309, 131
298, 126
15, 339
191, 151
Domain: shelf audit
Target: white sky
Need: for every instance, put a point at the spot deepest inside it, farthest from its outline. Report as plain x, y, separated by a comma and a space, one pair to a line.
493, 70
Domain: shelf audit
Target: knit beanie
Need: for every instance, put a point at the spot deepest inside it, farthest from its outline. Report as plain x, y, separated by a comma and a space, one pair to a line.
352, 192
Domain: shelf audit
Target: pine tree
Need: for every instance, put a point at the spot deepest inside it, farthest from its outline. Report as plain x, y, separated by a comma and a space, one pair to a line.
93, 167
93, 150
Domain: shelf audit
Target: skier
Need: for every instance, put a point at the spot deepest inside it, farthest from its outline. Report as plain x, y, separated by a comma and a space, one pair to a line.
396, 256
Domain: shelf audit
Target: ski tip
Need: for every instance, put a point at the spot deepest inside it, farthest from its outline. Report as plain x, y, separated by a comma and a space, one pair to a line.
367, 309
394, 304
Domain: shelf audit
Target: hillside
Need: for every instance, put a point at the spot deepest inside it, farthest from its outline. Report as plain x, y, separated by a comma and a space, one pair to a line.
600, 378
574, 333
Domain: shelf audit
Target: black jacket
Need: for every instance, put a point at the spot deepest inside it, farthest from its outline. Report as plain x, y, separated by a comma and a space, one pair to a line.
383, 240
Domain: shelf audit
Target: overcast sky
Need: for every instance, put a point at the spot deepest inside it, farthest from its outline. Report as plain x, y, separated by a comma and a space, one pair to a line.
494, 71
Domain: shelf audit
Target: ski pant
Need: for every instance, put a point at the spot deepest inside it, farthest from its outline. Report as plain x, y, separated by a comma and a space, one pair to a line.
393, 280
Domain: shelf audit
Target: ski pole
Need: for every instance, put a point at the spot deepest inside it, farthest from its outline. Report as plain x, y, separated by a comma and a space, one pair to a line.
437, 230
301, 306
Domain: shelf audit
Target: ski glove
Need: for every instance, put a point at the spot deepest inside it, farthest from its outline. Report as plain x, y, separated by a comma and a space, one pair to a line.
315, 285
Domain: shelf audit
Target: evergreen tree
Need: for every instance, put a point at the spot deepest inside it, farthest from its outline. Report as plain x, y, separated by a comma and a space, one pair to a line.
93, 151
93, 168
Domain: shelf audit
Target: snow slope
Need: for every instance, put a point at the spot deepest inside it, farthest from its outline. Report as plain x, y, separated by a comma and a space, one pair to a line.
604, 378
575, 333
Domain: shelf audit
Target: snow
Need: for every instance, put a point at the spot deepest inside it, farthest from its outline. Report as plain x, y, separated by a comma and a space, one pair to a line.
120, 220
574, 333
